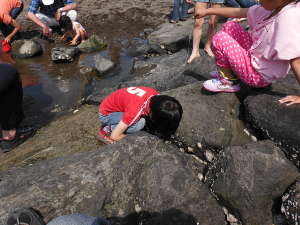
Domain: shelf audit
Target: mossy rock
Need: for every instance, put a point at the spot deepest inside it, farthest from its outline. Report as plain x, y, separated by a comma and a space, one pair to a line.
94, 43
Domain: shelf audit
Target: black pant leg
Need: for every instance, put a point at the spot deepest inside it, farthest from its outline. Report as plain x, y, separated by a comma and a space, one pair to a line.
11, 97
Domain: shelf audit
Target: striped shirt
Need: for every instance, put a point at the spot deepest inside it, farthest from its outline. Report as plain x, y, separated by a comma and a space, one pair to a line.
49, 10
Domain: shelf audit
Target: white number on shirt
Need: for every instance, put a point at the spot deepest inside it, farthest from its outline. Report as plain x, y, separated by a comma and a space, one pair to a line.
136, 91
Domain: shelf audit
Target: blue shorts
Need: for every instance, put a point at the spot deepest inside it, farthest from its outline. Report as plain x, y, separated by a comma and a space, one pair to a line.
210, 1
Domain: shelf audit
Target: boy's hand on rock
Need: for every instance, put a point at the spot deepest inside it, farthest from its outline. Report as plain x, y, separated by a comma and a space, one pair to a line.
73, 42
290, 100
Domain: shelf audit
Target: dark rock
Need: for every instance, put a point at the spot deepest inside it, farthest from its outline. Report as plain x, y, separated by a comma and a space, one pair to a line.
63, 54
162, 73
140, 173
102, 64
26, 49
250, 178
94, 43
167, 74
277, 121
171, 37
200, 67
290, 204
209, 119
138, 47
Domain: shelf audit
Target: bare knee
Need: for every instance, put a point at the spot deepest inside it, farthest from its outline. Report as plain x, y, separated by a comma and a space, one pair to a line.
198, 23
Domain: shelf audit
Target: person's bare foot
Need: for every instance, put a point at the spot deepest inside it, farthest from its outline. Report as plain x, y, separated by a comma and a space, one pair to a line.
192, 57
209, 52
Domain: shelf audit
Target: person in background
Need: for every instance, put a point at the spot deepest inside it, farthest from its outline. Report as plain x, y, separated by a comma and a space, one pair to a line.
9, 11
47, 13
201, 5
180, 11
11, 109
125, 111
72, 28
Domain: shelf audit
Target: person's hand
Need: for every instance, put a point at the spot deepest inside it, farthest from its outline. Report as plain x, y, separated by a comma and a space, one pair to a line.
290, 100
46, 30
189, 1
73, 42
8, 39
201, 14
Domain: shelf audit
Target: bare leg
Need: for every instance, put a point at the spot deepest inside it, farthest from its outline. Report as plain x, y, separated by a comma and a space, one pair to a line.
197, 31
211, 31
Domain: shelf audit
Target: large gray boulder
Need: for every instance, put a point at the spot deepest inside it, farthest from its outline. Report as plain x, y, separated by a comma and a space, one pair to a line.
209, 119
277, 121
26, 49
249, 178
140, 173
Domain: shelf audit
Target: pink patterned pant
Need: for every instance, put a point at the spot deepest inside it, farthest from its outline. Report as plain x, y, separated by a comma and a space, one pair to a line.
231, 48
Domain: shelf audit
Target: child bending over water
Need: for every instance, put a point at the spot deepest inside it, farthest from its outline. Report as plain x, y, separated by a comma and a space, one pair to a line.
72, 28
124, 111
261, 56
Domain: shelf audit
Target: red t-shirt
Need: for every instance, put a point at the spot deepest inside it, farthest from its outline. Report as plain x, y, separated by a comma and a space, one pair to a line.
6, 7
132, 101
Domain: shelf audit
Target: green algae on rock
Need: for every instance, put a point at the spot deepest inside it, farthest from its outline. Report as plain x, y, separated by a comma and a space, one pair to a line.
94, 43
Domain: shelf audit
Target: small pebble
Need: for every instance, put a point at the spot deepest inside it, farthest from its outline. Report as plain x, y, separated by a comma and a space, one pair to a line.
209, 156
190, 150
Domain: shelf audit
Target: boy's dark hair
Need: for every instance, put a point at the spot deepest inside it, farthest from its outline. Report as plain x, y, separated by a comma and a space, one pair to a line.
65, 23
165, 114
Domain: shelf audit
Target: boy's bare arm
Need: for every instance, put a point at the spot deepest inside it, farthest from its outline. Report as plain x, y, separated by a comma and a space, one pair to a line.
118, 133
293, 99
17, 27
75, 39
226, 12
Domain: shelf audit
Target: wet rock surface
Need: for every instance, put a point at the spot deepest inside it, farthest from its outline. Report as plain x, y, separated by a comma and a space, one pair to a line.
275, 120
102, 64
138, 172
26, 49
63, 54
251, 178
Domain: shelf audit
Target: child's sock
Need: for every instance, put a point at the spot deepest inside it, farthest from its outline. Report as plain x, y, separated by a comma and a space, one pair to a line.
227, 74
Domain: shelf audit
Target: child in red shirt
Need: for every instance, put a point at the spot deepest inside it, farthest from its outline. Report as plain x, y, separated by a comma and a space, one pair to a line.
124, 112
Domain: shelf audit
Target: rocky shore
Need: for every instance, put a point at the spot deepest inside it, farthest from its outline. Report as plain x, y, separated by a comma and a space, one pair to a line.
234, 159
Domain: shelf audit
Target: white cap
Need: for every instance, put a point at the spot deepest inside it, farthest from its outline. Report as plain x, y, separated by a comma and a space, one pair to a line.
48, 2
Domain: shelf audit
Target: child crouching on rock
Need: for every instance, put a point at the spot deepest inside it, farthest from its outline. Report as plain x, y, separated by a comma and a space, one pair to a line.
261, 56
124, 112
72, 27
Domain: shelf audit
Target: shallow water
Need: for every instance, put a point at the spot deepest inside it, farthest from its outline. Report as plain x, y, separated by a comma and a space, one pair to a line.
52, 89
